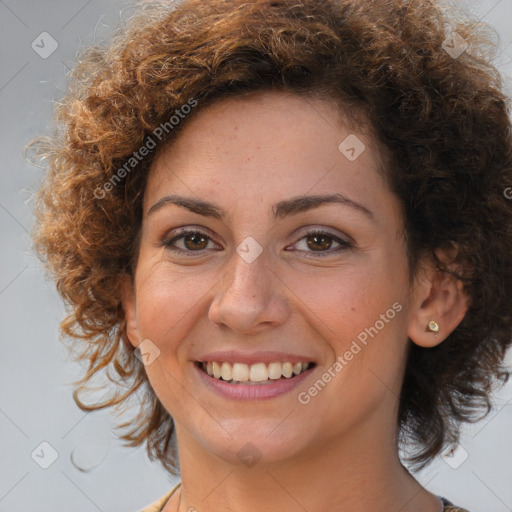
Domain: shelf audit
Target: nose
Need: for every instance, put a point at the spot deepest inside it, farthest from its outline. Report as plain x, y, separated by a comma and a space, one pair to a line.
248, 299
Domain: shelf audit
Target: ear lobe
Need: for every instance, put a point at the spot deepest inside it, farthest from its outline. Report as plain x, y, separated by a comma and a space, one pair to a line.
130, 309
438, 297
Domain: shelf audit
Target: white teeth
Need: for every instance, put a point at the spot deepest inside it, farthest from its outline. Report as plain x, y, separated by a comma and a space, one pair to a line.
240, 372
226, 371
287, 370
297, 368
274, 371
216, 370
259, 372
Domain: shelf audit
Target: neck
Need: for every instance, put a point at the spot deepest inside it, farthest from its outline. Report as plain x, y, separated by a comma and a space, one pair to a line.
356, 472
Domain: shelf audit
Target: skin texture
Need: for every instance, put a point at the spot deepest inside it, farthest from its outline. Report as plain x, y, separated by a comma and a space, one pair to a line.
245, 155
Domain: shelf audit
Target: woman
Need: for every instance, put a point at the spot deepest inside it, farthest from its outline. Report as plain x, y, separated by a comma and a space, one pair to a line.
286, 223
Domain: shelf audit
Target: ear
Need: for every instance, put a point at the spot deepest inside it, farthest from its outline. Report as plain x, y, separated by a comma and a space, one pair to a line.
130, 309
437, 295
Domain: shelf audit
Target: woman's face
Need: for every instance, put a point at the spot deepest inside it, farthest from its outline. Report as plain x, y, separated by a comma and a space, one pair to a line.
272, 276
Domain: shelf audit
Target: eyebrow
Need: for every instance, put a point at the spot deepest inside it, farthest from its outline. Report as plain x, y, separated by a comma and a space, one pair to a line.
292, 206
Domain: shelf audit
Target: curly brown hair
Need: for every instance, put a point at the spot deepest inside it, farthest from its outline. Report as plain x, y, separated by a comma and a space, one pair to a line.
442, 120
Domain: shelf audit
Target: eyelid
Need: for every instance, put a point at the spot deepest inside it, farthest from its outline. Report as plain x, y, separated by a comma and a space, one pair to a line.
173, 233
167, 240
324, 230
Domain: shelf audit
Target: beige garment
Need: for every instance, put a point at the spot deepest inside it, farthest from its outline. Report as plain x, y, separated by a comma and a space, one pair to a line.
158, 505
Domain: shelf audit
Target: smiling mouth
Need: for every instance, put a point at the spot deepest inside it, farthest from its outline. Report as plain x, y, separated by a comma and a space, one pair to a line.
253, 374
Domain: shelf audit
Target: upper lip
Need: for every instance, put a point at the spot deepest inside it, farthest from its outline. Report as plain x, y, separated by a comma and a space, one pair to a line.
233, 356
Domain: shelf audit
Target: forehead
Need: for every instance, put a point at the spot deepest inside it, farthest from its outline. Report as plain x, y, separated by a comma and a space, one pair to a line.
267, 147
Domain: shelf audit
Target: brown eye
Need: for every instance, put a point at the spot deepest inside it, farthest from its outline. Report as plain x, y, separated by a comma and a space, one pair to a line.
319, 242
195, 241
187, 241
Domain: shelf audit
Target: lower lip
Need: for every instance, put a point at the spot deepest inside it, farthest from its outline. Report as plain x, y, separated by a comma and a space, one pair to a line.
252, 392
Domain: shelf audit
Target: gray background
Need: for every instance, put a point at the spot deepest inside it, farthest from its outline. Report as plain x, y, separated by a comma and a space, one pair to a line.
36, 404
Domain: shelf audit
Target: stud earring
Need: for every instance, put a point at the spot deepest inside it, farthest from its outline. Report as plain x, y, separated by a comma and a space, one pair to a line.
432, 326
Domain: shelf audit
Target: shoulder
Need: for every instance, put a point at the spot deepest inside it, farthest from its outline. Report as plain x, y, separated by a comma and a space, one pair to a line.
450, 507
158, 505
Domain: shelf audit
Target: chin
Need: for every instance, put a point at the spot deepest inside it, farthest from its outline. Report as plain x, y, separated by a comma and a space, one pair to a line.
250, 442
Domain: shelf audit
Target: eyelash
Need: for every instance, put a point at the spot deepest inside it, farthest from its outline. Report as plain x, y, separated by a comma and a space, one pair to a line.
183, 233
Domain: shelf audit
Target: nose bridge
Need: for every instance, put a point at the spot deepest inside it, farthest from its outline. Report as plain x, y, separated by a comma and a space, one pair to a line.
246, 298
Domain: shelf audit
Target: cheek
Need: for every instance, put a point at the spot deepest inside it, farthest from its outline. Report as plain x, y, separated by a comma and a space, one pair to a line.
169, 302
167, 310
345, 300
360, 311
